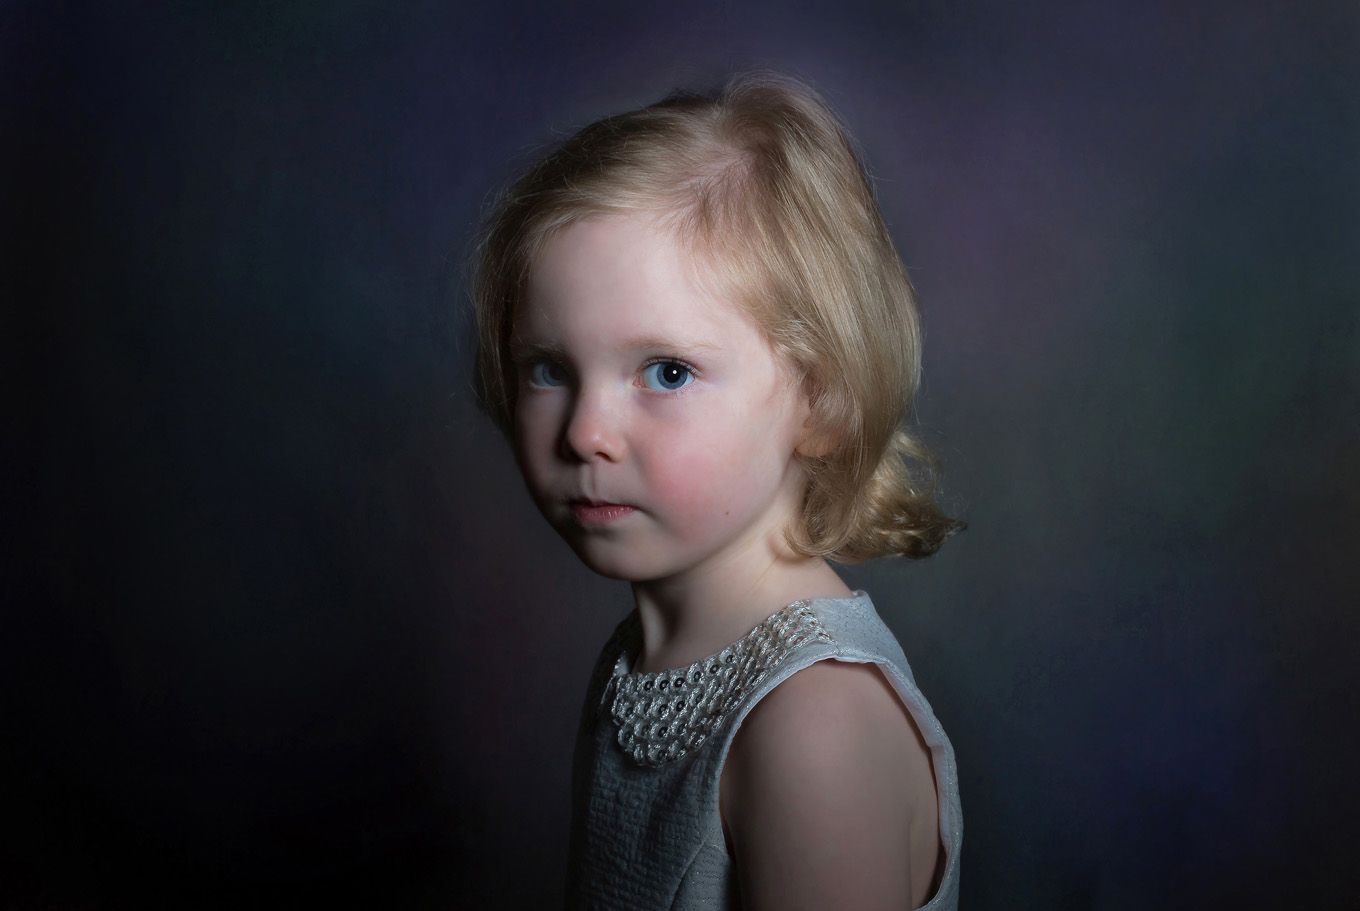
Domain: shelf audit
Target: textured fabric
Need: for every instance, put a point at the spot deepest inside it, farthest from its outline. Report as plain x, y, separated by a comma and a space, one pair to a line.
650, 836
662, 716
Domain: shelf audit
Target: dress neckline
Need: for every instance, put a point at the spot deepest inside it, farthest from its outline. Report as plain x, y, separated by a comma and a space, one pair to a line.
662, 716
623, 667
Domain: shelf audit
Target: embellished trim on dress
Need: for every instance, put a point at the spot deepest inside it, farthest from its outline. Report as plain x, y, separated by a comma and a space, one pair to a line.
664, 715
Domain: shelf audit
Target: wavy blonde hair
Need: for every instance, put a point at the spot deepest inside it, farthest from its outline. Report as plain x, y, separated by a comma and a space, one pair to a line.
762, 184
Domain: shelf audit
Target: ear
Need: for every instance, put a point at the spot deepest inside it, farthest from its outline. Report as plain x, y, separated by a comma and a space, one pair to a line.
813, 441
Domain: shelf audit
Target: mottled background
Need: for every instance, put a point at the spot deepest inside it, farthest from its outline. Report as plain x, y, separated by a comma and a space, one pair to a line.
280, 621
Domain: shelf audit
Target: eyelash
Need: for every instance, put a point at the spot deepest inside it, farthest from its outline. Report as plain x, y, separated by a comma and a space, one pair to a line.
680, 362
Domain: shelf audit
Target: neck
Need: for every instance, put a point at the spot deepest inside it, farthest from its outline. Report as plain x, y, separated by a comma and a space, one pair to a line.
686, 618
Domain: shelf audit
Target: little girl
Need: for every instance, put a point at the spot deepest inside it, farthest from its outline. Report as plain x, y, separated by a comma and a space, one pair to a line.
698, 337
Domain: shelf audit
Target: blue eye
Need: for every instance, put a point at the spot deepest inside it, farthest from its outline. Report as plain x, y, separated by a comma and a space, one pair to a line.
543, 377
670, 375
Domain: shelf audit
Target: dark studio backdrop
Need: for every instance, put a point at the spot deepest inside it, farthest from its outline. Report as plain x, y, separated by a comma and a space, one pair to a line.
280, 622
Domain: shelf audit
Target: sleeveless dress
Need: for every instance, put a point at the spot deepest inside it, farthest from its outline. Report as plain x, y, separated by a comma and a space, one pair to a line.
646, 830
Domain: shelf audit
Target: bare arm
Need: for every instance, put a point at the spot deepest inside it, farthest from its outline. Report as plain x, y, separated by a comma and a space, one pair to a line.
829, 796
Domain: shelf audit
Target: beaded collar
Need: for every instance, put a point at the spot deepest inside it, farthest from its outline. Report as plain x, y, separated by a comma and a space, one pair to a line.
664, 715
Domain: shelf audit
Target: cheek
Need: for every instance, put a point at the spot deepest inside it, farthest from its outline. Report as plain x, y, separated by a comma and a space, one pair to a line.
719, 473
534, 435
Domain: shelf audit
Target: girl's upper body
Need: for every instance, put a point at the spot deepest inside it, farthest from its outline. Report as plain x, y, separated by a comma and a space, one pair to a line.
698, 338
657, 814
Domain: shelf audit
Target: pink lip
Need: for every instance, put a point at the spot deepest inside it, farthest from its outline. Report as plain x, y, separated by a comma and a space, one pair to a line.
589, 513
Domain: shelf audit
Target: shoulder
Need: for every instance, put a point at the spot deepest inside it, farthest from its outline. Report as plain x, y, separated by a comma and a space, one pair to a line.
833, 713
827, 777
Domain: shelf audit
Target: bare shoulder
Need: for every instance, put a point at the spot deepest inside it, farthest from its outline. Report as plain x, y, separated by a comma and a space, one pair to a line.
828, 778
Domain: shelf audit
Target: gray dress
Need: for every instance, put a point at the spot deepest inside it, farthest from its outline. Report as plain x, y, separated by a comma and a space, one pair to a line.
646, 832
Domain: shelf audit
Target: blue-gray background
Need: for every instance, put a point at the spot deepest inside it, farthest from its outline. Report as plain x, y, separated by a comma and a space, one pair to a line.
281, 622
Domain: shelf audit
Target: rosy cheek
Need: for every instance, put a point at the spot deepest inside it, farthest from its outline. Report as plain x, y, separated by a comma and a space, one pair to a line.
685, 489
711, 477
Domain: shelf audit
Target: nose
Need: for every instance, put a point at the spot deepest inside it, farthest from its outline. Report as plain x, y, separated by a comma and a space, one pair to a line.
594, 428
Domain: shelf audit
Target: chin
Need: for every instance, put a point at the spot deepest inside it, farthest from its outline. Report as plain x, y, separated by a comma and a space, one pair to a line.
610, 566
613, 562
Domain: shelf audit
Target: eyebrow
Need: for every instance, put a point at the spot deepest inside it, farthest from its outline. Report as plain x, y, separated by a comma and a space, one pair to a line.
522, 348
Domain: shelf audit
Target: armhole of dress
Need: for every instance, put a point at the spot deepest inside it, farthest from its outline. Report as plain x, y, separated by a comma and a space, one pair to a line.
942, 770
937, 876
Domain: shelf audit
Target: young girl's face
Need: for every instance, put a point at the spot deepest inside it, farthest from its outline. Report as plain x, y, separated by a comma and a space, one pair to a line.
637, 389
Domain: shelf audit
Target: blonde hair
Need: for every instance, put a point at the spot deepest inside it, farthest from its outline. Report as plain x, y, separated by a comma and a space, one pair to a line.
761, 182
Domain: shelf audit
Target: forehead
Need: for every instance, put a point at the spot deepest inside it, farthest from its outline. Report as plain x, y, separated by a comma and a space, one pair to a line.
623, 276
